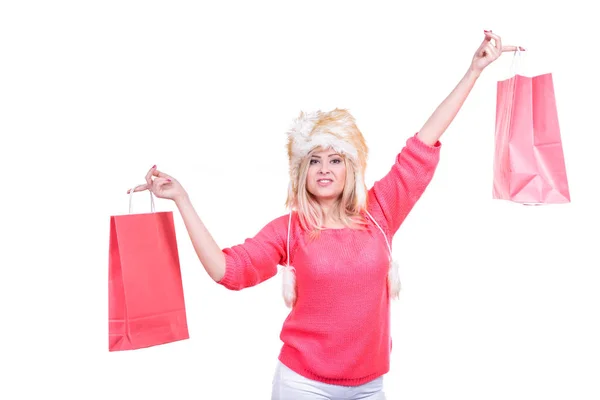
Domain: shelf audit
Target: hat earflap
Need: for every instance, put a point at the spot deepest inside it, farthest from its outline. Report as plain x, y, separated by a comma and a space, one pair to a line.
394, 279
393, 276
289, 285
288, 288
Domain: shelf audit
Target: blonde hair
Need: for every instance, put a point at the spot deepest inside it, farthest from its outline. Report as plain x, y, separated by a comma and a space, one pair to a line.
337, 130
346, 208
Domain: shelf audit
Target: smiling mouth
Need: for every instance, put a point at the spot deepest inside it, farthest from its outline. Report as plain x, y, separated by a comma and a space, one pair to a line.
324, 182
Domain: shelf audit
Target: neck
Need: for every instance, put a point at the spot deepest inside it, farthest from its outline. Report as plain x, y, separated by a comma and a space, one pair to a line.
328, 209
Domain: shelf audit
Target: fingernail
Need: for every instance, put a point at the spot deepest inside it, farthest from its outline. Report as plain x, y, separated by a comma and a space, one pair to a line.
154, 166
486, 31
168, 180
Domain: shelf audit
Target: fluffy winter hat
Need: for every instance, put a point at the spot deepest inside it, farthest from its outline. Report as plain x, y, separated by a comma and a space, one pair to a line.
336, 129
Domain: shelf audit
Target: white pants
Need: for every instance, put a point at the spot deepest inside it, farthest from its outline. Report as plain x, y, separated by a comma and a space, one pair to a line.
288, 385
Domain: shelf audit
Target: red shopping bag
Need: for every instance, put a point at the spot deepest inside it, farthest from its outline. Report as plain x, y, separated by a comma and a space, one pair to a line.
529, 165
145, 292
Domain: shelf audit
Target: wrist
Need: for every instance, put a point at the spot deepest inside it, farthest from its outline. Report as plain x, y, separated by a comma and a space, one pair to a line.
473, 73
181, 199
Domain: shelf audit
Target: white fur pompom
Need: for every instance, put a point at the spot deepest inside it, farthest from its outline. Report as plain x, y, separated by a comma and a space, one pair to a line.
289, 286
394, 279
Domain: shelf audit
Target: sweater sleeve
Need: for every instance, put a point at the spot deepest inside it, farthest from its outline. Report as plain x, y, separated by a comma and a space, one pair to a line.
397, 192
256, 260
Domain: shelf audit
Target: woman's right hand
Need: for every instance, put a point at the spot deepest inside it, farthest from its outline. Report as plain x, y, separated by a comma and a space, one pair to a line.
161, 185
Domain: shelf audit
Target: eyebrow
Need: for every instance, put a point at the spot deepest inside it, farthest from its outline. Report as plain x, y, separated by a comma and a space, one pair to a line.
331, 155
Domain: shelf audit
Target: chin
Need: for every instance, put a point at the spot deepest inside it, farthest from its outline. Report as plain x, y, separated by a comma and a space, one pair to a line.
328, 196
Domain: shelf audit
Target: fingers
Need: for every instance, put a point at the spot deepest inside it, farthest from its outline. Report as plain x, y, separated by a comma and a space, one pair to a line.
149, 177
497, 39
484, 43
160, 183
138, 188
159, 174
492, 50
512, 48
161, 180
488, 50
489, 35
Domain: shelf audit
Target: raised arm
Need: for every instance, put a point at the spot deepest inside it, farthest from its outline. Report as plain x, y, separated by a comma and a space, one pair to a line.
445, 113
207, 250
394, 195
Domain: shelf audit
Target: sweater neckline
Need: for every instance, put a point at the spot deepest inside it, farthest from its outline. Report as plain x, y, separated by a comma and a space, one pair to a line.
338, 229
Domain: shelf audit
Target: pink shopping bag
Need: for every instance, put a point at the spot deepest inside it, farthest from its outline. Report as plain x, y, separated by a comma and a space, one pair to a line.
529, 165
146, 304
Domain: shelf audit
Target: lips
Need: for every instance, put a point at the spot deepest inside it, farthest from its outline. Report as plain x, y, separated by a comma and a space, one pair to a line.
324, 182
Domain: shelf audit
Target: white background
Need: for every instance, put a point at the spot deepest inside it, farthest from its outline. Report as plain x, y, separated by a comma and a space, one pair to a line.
499, 300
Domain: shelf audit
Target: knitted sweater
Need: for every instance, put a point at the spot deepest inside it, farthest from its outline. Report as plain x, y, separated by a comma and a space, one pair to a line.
338, 332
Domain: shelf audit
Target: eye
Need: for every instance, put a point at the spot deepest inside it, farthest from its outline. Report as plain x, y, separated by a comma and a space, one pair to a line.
314, 159
336, 161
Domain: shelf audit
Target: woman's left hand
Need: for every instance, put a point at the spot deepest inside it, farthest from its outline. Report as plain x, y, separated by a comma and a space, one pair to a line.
489, 52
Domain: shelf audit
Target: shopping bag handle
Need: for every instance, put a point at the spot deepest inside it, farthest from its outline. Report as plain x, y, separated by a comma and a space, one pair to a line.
131, 198
517, 65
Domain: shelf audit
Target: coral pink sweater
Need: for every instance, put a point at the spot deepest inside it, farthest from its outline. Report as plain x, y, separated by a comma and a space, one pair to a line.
339, 329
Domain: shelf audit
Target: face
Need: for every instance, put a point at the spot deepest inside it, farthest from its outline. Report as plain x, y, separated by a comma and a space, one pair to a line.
326, 175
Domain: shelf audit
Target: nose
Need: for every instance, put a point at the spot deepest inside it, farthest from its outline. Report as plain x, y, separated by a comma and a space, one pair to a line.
323, 170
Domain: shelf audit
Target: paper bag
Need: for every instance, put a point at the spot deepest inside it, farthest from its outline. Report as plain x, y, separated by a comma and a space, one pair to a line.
145, 292
529, 165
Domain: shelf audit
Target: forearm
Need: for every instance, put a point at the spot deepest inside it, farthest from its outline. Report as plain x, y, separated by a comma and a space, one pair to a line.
441, 118
207, 250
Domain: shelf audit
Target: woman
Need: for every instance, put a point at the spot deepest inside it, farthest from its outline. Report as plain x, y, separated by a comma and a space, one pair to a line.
337, 237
